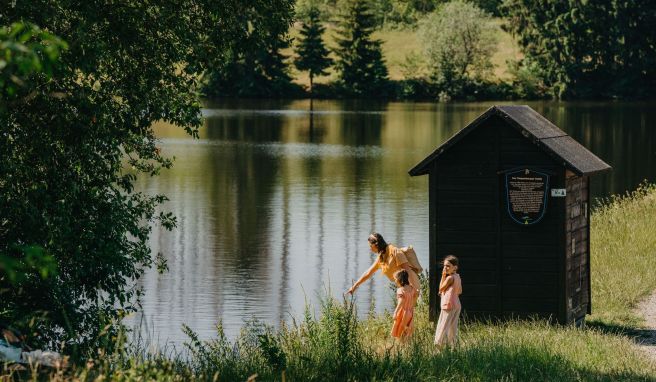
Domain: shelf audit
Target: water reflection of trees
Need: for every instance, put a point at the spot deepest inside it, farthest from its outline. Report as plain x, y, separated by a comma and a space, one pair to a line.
622, 134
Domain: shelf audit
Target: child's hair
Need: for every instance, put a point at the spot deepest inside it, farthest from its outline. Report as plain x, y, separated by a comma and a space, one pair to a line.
451, 259
402, 277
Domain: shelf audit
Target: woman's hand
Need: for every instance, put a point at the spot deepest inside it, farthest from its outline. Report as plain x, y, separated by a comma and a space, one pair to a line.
372, 269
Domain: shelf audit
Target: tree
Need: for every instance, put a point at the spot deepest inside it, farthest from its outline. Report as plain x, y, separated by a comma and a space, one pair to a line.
359, 57
74, 140
26, 51
589, 48
489, 6
458, 40
255, 68
312, 55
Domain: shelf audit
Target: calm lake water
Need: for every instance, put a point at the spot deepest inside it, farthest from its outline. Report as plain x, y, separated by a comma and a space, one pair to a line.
274, 203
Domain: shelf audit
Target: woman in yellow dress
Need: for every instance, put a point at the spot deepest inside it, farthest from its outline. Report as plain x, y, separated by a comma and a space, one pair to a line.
390, 260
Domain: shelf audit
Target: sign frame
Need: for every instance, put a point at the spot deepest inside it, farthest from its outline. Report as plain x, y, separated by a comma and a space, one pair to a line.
543, 210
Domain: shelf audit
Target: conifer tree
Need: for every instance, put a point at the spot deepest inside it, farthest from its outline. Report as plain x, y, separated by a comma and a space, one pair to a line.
257, 68
312, 54
360, 62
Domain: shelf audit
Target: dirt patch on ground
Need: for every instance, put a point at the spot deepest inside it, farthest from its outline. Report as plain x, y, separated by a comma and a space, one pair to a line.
647, 336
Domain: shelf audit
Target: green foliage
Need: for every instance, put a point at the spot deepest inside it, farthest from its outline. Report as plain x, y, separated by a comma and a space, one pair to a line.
402, 13
326, 8
407, 13
416, 83
458, 43
257, 67
386, 13
23, 262
490, 6
588, 49
76, 134
527, 79
312, 55
360, 64
25, 51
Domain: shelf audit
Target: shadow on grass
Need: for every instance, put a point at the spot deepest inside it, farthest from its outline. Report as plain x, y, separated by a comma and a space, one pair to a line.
613, 329
519, 364
646, 337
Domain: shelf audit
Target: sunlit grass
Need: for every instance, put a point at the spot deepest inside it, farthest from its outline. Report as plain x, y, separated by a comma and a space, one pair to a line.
623, 250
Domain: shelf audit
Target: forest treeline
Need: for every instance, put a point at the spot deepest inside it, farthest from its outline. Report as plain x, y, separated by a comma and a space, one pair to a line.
569, 50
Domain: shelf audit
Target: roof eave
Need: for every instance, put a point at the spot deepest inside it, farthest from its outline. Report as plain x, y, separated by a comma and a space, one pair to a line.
422, 168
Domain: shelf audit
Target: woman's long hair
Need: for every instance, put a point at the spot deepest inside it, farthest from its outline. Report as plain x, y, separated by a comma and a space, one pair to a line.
380, 243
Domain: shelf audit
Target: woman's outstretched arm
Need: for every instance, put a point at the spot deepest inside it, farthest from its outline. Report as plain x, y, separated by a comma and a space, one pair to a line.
365, 276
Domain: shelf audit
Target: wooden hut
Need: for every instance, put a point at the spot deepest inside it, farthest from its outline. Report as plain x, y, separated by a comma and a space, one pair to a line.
509, 196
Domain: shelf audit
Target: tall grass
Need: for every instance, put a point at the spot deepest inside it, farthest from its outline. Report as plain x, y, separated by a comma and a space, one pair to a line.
336, 346
623, 250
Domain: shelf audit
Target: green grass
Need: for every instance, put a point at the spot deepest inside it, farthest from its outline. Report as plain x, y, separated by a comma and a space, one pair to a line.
623, 250
336, 346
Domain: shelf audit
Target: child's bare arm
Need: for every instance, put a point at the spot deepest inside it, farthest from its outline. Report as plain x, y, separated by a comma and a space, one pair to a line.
445, 284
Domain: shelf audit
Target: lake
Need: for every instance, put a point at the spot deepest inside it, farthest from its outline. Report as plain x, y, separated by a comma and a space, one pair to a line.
274, 203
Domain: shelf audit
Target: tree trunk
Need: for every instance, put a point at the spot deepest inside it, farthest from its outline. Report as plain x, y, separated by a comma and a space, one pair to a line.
311, 87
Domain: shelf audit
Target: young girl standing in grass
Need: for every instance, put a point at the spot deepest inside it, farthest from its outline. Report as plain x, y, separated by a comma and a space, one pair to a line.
446, 332
405, 306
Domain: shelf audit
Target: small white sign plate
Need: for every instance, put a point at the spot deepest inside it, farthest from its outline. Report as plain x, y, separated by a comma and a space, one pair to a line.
558, 192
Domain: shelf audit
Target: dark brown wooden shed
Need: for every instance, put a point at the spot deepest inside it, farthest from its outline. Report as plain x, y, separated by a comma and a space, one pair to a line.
509, 196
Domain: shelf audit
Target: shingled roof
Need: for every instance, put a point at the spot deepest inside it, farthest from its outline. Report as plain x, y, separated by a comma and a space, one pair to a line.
537, 129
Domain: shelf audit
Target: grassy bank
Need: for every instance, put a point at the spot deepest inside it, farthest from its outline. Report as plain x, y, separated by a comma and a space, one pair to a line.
337, 346
623, 248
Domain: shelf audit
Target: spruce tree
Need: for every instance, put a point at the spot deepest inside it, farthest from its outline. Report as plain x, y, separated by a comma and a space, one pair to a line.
256, 68
360, 62
312, 54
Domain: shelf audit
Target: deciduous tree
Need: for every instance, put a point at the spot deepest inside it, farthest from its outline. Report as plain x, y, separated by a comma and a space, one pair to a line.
73, 142
458, 41
588, 49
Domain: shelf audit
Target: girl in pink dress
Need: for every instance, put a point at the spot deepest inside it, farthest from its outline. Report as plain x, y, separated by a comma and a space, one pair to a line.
446, 332
405, 306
